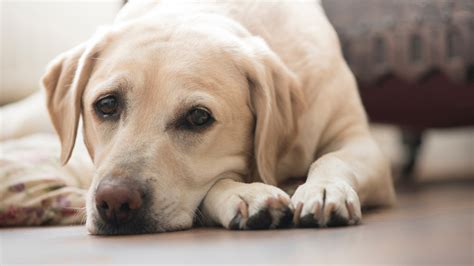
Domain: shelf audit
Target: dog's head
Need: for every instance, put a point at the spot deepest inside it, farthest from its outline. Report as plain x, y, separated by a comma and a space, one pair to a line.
167, 113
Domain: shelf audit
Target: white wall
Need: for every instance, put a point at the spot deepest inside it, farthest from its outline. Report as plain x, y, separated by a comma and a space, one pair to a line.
33, 32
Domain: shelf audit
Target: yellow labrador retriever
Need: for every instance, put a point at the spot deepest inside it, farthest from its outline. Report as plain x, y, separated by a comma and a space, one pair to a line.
209, 107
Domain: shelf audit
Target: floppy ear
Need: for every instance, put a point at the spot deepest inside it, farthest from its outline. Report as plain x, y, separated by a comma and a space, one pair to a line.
64, 82
277, 102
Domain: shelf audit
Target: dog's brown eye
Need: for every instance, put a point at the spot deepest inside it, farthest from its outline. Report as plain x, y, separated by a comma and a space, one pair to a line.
107, 106
198, 117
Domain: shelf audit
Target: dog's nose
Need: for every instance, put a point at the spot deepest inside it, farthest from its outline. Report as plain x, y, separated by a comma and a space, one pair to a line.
118, 202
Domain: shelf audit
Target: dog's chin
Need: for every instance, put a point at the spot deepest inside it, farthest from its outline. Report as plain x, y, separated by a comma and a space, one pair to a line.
136, 226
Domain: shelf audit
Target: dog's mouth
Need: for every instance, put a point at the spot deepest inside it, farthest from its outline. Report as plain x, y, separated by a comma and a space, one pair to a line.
135, 226
142, 223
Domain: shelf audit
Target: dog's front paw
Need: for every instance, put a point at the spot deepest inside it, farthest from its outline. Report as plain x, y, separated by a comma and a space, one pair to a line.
326, 204
260, 206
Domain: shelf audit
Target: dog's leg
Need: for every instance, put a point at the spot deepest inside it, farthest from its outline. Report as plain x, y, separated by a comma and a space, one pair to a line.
25, 117
352, 172
236, 205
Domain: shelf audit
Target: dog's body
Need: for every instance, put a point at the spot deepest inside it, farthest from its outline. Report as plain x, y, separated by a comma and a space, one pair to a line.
285, 104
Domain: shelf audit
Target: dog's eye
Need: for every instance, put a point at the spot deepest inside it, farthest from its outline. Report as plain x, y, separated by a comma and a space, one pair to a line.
107, 106
198, 117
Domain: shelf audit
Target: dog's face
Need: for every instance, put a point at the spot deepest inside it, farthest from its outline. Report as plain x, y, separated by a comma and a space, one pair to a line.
170, 119
165, 116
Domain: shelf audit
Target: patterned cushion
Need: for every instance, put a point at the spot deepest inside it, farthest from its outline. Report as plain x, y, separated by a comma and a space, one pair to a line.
34, 188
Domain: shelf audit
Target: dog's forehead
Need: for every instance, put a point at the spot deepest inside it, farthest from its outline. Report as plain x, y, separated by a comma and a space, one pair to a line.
154, 44
145, 60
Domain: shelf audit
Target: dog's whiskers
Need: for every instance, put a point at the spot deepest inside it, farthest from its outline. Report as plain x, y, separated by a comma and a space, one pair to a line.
79, 214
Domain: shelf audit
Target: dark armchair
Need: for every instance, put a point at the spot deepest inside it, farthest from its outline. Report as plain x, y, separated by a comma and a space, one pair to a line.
414, 62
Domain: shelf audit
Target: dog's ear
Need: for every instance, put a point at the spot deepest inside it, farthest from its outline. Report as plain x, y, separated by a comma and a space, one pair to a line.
276, 100
65, 80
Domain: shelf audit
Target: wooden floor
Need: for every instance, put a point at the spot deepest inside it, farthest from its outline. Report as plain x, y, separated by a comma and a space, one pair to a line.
433, 224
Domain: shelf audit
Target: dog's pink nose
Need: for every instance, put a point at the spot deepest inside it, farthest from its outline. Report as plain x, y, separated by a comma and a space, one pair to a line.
117, 202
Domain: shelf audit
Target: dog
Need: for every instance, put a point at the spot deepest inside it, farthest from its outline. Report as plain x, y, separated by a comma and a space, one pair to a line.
205, 109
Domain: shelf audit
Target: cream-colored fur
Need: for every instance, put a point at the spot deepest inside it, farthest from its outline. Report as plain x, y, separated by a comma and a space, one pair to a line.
286, 105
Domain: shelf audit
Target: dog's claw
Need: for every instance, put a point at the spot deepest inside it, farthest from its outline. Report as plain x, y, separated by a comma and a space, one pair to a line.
235, 222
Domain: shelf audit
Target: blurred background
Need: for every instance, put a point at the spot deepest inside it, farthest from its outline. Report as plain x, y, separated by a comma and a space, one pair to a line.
413, 59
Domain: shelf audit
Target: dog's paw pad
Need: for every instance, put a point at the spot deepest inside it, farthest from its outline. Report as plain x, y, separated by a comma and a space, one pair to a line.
286, 219
261, 220
321, 205
274, 213
308, 221
337, 220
